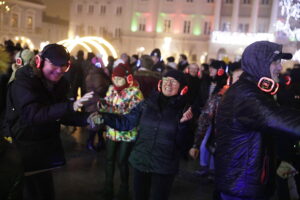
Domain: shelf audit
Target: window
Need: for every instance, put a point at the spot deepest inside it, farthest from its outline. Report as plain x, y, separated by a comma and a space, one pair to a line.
79, 30
186, 26
167, 25
228, 1
102, 10
101, 31
264, 2
119, 11
29, 22
189, 1
142, 24
262, 28
226, 26
79, 8
207, 28
117, 33
91, 9
14, 20
91, 30
209, 1
243, 28
170, 0
246, 1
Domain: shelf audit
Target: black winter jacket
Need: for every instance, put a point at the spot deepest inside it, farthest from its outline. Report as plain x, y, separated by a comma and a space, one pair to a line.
34, 115
246, 121
160, 134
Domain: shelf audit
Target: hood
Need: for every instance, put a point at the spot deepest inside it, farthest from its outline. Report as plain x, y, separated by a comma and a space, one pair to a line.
257, 58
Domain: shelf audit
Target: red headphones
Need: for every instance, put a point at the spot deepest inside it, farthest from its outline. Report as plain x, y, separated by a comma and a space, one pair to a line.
220, 72
129, 76
183, 91
39, 58
19, 60
268, 85
287, 79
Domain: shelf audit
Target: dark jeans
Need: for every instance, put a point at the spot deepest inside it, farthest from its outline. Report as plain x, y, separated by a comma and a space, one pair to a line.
229, 197
124, 149
39, 186
152, 186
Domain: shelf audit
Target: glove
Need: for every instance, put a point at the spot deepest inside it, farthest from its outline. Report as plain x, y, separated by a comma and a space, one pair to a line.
286, 170
79, 102
95, 119
194, 153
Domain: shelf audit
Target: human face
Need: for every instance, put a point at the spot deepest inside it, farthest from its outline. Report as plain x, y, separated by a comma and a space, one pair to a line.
119, 81
193, 70
212, 72
170, 86
155, 59
236, 75
52, 72
275, 69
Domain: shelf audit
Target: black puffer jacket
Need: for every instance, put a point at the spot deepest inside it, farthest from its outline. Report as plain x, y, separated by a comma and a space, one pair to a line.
247, 120
160, 134
35, 112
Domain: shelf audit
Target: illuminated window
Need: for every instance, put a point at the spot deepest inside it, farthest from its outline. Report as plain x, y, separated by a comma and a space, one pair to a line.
91, 9
14, 20
29, 22
79, 8
226, 26
264, 2
243, 28
117, 33
119, 11
142, 24
186, 26
102, 10
207, 28
79, 30
167, 26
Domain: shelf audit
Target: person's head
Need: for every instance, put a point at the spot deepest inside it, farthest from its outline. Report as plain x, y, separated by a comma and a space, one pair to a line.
146, 62
193, 69
263, 59
182, 57
121, 77
170, 59
80, 55
125, 57
53, 61
236, 75
134, 58
90, 56
173, 83
216, 68
156, 55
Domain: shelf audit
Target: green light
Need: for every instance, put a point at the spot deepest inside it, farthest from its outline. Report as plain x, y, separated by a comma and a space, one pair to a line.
197, 29
134, 22
159, 26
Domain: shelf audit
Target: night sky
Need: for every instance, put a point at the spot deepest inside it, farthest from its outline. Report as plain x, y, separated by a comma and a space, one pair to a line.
58, 8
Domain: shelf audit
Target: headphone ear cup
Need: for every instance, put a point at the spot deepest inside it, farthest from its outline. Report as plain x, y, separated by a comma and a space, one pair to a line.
38, 61
129, 79
19, 61
199, 74
187, 70
68, 67
184, 90
159, 85
220, 72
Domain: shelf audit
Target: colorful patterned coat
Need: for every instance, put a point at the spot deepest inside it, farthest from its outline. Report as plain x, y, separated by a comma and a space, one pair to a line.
122, 103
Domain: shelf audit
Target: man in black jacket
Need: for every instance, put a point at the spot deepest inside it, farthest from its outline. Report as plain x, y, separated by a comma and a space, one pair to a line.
36, 106
247, 119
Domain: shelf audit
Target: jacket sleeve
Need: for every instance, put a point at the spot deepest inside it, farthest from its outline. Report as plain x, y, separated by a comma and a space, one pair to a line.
269, 117
31, 107
124, 122
75, 119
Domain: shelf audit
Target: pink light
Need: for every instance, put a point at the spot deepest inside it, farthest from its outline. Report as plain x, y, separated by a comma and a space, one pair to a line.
149, 28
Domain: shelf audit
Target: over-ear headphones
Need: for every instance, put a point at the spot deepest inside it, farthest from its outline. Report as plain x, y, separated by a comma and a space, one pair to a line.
19, 60
183, 91
220, 72
268, 85
187, 71
39, 58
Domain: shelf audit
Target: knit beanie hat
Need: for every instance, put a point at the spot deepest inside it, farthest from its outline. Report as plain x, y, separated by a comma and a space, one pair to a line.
121, 70
177, 75
156, 52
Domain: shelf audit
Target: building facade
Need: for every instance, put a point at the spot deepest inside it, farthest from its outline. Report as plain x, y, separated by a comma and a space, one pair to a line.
24, 21
193, 27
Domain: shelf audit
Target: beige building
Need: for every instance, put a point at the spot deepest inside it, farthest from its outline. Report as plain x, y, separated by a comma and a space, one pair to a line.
24, 21
201, 29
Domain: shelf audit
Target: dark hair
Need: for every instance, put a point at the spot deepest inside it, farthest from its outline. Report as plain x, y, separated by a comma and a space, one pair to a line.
183, 56
171, 59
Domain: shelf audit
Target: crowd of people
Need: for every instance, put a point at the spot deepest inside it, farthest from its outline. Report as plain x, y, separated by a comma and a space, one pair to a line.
241, 119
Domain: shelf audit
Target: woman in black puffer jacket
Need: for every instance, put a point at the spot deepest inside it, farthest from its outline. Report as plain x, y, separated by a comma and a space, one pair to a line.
161, 122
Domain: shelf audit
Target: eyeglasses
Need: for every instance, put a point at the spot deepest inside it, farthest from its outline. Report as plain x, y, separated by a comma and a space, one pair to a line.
168, 80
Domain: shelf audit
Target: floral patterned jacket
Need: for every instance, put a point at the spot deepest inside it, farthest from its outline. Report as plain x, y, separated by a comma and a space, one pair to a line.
122, 103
